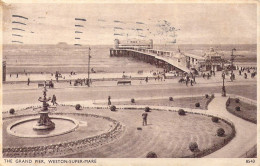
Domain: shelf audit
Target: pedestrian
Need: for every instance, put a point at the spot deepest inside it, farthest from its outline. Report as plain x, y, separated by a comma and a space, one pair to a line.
109, 100
87, 82
191, 82
51, 84
208, 76
186, 81
70, 82
54, 100
144, 115
17, 75
245, 76
10, 75
28, 81
194, 80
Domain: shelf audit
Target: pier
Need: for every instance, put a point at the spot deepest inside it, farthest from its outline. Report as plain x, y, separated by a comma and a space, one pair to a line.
169, 64
169, 60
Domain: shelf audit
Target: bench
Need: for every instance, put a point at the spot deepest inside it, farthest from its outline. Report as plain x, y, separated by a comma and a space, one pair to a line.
47, 85
123, 82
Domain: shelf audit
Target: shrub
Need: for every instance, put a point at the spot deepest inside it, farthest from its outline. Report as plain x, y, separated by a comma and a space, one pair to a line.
237, 108
78, 106
193, 146
147, 109
197, 105
212, 96
170, 98
220, 132
181, 112
132, 100
214, 119
237, 100
113, 108
151, 155
11, 111
207, 96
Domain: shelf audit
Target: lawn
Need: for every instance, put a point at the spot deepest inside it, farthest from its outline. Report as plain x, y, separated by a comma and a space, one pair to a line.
247, 111
167, 134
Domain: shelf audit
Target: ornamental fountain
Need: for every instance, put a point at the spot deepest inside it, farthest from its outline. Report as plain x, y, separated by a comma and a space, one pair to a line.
33, 126
44, 123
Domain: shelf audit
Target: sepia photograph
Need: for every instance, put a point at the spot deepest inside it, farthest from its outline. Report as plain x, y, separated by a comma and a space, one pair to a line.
128, 80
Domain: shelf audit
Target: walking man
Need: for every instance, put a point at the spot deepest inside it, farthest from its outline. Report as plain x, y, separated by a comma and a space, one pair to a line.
28, 81
54, 99
109, 100
245, 76
144, 115
194, 79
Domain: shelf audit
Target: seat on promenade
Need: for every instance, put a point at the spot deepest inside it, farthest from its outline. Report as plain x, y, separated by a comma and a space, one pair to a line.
123, 82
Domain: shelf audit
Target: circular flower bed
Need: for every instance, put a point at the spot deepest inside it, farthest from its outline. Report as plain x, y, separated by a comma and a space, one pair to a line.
215, 119
11, 111
147, 109
181, 112
151, 155
112, 108
78, 107
193, 146
197, 105
220, 132
237, 108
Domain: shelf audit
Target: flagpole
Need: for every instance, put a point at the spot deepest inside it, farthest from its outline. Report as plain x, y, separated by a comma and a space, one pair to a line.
88, 65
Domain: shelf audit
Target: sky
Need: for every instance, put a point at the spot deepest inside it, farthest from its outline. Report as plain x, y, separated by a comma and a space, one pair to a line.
187, 23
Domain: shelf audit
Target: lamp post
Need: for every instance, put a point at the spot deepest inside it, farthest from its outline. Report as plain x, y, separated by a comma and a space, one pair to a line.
88, 80
223, 86
232, 60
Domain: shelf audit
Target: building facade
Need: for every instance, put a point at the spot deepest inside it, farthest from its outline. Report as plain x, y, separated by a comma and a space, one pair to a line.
133, 44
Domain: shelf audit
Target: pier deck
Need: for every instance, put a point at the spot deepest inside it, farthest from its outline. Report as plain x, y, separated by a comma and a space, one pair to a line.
158, 59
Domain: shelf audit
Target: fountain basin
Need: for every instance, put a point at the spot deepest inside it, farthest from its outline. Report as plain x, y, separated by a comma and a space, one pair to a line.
24, 127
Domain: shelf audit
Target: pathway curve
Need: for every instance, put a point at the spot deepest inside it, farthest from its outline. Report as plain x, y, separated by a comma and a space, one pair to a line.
246, 132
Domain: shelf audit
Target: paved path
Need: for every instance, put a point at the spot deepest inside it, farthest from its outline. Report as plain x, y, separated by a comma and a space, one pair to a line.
246, 132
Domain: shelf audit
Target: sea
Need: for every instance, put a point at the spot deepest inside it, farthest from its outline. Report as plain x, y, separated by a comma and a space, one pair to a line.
69, 58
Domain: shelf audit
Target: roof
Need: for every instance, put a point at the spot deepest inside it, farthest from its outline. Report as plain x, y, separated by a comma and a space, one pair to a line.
194, 56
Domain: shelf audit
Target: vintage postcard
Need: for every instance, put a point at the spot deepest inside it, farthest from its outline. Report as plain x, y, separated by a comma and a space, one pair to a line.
121, 82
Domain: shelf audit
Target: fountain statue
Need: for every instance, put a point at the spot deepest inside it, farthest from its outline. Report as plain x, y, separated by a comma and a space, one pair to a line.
44, 123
